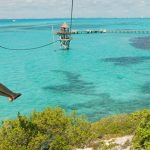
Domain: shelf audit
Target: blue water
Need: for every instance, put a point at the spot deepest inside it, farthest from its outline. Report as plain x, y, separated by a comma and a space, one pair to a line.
101, 75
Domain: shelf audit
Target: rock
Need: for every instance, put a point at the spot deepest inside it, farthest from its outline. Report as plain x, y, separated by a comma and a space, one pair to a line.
123, 143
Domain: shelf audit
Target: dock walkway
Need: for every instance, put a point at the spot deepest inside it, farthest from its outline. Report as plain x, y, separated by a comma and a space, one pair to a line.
109, 31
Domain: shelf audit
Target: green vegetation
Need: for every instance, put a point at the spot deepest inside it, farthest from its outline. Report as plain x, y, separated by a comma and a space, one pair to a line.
118, 125
53, 130
142, 136
49, 129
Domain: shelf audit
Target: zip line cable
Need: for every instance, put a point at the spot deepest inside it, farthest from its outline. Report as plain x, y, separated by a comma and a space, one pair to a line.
71, 16
32, 48
45, 45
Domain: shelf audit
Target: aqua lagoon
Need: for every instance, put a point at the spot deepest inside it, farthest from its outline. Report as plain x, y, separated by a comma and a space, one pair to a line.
101, 75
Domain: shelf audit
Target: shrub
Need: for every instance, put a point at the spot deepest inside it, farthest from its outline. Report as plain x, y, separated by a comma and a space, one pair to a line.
142, 137
53, 130
50, 129
118, 125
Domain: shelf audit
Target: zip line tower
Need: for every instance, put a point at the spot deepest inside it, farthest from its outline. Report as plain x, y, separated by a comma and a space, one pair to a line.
64, 36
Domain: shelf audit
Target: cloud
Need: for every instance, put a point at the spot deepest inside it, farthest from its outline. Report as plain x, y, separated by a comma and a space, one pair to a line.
29, 1
82, 8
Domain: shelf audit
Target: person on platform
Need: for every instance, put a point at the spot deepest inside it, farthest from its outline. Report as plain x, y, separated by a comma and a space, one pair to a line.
4, 91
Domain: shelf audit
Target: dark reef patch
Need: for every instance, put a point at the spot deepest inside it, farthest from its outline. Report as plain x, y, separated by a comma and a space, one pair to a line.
141, 42
74, 85
145, 88
126, 61
110, 106
102, 100
97, 105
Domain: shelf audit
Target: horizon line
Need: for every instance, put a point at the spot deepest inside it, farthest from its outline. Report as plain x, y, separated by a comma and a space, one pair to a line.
76, 18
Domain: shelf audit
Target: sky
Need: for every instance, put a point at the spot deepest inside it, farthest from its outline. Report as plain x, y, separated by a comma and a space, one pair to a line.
82, 8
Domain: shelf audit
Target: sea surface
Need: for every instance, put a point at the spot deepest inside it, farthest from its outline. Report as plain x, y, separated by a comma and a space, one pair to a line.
101, 75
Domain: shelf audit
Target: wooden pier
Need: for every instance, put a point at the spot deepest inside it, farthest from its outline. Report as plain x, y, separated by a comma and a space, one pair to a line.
109, 31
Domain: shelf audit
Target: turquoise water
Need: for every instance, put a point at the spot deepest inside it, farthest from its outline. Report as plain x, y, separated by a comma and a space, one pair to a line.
101, 75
